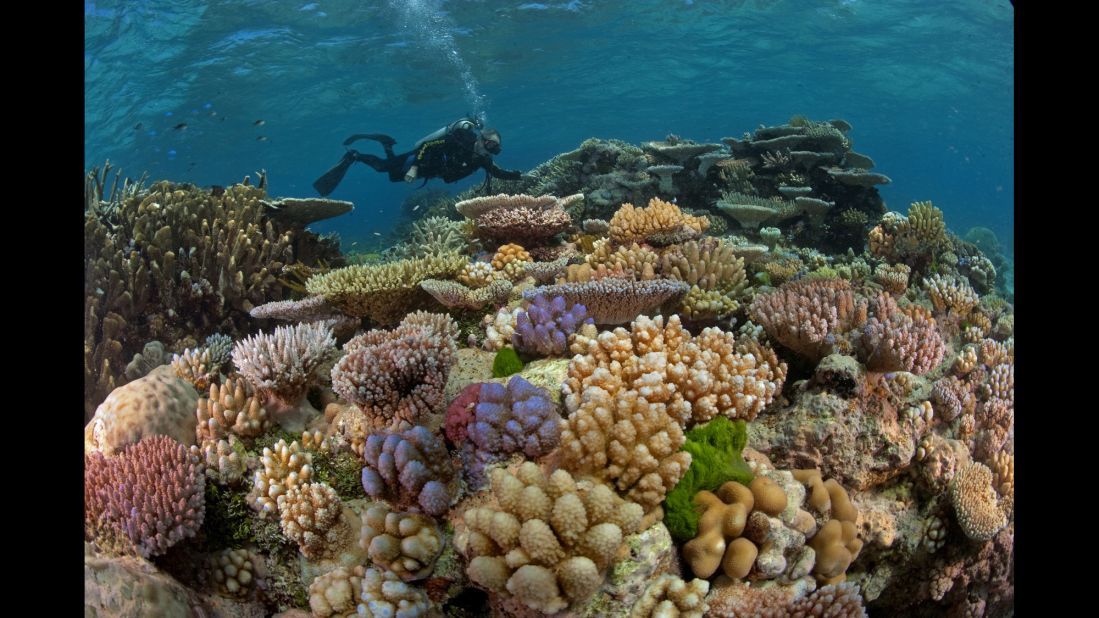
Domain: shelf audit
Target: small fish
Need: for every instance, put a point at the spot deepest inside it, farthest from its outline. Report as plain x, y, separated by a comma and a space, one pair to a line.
262, 138
377, 233
138, 126
212, 114
415, 208
354, 243
181, 126
259, 123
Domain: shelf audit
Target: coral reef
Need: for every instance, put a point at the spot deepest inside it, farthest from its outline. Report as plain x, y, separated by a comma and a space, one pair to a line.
545, 326
411, 467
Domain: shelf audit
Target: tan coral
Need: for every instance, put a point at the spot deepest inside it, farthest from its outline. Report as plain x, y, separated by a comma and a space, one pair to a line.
383, 292
311, 517
716, 276
234, 571
975, 504
157, 404
404, 543
477, 274
892, 277
660, 223
634, 258
668, 596
951, 294
336, 593
283, 467
230, 408
547, 540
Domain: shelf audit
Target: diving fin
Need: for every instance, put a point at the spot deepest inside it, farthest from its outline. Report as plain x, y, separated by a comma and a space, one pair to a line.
331, 179
378, 137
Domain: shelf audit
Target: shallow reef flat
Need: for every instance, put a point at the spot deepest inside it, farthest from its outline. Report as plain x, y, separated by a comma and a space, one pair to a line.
666, 379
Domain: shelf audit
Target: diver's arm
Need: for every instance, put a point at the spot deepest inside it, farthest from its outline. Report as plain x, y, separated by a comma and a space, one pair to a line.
501, 173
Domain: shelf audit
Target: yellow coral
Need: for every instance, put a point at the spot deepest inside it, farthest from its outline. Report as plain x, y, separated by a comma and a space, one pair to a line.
660, 223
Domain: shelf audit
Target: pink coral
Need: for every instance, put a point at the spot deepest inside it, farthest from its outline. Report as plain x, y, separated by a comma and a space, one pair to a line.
150, 494
809, 315
460, 413
397, 376
897, 339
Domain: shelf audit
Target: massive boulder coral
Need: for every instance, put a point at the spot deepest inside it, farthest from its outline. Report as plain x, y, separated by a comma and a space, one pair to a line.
145, 499
398, 376
548, 540
383, 292
410, 468
157, 404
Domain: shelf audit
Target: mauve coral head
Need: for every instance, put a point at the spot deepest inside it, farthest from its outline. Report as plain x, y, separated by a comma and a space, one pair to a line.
518, 417
545, 326
459, 413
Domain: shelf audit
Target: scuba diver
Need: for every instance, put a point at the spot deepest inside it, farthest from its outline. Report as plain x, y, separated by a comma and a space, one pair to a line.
451, 153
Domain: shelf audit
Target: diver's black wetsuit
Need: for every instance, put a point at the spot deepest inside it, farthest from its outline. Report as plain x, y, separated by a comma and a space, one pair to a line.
451, 157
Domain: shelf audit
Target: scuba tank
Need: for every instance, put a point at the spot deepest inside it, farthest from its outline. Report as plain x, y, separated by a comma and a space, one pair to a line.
468, 123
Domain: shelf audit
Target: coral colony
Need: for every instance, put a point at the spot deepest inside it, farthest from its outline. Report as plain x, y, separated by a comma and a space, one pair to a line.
680, 379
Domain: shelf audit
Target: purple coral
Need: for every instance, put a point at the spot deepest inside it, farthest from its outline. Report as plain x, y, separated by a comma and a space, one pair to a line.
150, 495
520, 417
545, 326
411, 467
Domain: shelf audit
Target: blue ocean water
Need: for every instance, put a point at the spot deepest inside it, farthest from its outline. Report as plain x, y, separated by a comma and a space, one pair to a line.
176, 88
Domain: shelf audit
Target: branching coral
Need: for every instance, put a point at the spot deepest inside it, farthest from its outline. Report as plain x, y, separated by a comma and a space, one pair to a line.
545, 326
149, 496
397, 376
230, 409
412, 467
527, 220
897, 339
975, 503
548, 540
660, 223
715, 274
809, 315
951, 294
281, 364
405, 543
311, 517
282, 467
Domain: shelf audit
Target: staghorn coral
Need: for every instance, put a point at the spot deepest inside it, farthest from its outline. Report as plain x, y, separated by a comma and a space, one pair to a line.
406, 544
546, 325
173, 261
397, 376
660, 223
547, 540
614, 300
809, 315
281, 364
411, 467
383, 292
149, 496
715, 274
896, 339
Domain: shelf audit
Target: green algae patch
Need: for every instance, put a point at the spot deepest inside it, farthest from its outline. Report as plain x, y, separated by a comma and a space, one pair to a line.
342, 472
715, 450
228, 519
506, 363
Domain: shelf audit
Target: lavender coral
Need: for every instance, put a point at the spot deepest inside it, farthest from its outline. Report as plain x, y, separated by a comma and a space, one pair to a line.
149, 496
544, 328
519, 417
412, 467
397, 376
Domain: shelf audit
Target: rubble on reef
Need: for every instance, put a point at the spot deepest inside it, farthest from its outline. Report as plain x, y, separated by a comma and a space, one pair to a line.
666, 379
